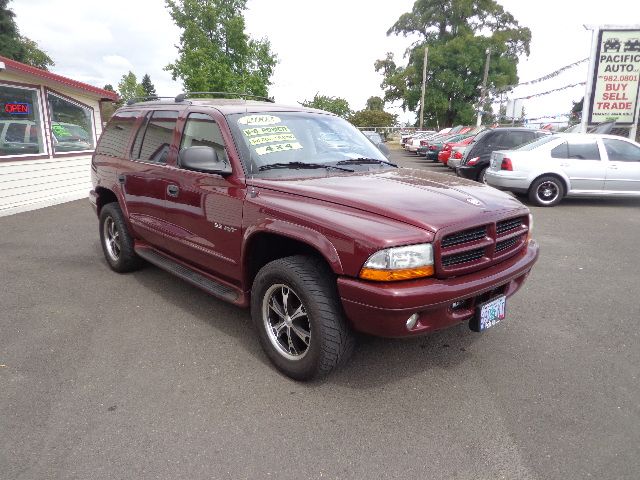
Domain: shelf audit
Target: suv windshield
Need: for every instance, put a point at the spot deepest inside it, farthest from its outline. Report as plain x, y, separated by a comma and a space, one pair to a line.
300, 137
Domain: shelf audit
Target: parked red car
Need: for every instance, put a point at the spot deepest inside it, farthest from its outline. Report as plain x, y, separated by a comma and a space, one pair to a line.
445, 153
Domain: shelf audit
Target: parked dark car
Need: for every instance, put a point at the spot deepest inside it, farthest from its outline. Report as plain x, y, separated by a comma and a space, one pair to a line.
476, 159
292, 212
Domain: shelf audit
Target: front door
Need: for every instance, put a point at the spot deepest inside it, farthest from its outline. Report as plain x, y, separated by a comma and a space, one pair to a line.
204, 211
623, 167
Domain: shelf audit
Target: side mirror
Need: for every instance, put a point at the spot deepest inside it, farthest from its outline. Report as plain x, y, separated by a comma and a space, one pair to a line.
203, 159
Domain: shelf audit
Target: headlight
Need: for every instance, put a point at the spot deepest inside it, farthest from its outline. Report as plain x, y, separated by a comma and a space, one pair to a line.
399, 263
530, 227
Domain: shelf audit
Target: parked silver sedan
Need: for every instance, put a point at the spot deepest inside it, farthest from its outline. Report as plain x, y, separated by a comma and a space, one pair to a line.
571, 164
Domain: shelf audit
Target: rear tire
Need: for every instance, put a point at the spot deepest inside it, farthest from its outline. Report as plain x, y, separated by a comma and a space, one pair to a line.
482, 176
298, 315
546, 191
117, 243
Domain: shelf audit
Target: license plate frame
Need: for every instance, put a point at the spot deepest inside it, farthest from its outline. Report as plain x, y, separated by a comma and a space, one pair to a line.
488, 314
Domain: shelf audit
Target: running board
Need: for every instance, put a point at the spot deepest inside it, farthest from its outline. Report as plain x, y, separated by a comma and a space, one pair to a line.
210, 286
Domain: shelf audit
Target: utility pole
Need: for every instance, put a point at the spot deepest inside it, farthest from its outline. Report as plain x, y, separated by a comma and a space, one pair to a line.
424, 85
484, 87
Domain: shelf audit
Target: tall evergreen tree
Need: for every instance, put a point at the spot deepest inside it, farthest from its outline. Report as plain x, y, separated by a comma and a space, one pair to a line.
148, 87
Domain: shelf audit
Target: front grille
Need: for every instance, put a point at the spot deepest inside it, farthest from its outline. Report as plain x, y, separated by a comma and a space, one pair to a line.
475, 248
511, 224
459, 258
506, 244
465, 236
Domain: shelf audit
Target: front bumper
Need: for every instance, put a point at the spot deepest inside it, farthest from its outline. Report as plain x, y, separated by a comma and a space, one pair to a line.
382, 309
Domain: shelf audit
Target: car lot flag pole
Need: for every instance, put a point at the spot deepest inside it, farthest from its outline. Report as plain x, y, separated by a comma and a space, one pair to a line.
586, 103
484, 87
424, 85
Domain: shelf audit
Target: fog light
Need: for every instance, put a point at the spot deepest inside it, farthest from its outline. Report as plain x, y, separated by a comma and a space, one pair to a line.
413, 319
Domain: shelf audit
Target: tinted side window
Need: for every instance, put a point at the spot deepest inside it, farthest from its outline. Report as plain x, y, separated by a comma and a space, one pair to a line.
583, 150
621, 151
137, 143
15, 132
201, 129
516, 139
115, 137
561, 151
158, 136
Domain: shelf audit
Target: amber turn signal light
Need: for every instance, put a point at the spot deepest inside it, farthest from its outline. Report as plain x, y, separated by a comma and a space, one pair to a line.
395, 275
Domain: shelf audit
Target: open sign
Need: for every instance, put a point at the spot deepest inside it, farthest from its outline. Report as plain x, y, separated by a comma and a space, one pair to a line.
17, 108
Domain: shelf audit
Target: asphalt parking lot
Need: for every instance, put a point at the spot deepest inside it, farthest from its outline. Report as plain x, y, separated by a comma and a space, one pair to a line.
137, 376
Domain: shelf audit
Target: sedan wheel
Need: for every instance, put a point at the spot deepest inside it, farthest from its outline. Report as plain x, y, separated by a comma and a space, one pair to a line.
546, 191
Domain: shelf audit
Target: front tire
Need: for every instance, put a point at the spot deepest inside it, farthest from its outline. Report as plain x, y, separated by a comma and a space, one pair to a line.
546, 191
117, 242
297, 312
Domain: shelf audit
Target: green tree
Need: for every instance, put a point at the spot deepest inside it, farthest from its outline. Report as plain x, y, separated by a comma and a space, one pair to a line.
18, 47
375, 103
108, 87
373, 118
457, 32
215, 53
129, 87
148, 87
336, 105
575, 115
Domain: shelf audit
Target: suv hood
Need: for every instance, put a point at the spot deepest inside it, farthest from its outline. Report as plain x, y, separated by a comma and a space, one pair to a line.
426, 200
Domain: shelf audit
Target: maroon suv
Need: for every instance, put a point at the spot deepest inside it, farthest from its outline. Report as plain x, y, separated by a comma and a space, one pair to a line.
293, 212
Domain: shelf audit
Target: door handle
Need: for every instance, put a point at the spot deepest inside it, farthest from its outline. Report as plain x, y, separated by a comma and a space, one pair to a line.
173, 190
121, 178
564, 164
613, 167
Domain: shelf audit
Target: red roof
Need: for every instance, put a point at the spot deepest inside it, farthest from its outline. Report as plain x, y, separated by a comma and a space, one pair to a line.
28, 69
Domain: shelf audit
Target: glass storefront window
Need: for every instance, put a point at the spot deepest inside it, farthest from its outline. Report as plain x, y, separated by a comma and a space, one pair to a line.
20, 125
71, 125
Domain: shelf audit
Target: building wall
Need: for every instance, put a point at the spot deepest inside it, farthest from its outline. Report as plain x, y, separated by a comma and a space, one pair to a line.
30, 184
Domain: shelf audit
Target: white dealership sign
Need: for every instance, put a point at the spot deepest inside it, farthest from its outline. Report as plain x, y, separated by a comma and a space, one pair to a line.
615, 81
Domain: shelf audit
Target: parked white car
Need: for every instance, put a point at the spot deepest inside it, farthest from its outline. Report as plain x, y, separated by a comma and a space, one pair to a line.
413, 143
568, 164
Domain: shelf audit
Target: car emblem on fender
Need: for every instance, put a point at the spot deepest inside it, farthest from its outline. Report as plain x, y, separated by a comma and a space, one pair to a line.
473, 201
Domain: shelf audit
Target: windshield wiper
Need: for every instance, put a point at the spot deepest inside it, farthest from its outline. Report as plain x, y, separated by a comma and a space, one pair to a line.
365, 161
301, 165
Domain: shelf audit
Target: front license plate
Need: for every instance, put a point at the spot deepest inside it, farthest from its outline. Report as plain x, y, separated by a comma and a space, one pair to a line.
489, 314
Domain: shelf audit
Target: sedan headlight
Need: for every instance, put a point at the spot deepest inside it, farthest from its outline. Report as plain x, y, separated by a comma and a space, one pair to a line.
399, 263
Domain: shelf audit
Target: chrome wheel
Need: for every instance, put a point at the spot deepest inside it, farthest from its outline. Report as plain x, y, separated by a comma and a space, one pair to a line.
111, 239
286, 322
548, 192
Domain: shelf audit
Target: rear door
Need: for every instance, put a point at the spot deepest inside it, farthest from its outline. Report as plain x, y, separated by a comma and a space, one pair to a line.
579, 158
144, 176
623, 166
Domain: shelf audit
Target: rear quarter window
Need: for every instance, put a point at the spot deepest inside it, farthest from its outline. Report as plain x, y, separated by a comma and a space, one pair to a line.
116, 135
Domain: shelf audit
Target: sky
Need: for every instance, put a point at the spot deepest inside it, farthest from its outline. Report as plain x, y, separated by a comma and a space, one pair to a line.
326, 47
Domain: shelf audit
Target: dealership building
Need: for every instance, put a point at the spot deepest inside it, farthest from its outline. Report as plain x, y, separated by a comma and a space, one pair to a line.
49, 126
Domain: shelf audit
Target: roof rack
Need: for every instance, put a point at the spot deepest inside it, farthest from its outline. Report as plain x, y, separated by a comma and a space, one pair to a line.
133, 100
182, 96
